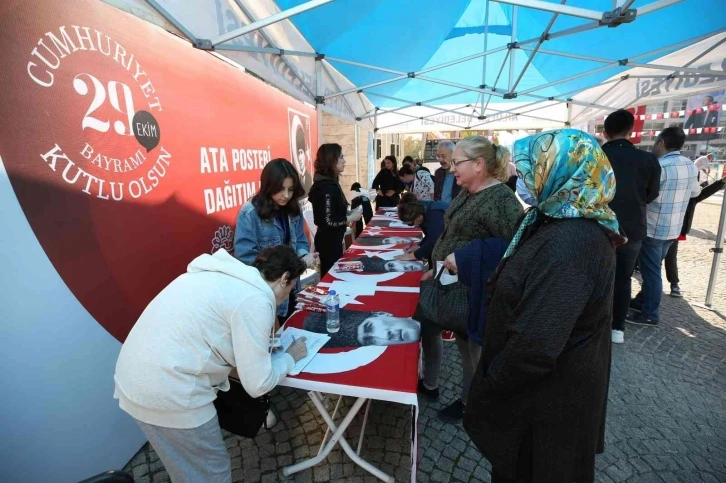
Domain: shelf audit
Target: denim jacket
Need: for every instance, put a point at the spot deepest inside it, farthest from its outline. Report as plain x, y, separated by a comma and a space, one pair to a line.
253, 234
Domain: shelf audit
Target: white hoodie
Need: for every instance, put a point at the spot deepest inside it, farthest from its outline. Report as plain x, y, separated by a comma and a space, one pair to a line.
217, 316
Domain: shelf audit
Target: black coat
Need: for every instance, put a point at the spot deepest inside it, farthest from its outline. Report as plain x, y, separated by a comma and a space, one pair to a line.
545, 363
637, 174
386, 181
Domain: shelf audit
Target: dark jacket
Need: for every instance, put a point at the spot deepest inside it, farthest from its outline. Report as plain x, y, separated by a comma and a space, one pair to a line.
386, 181
476, 263
432, 227
637, 183
439, 176
545, 364
330, 207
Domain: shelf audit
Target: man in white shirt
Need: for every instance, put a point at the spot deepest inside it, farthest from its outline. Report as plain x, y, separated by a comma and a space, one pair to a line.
678, 184
703, 165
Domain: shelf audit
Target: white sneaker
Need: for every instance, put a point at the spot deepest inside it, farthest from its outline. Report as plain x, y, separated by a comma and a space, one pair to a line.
271, 419
618, 336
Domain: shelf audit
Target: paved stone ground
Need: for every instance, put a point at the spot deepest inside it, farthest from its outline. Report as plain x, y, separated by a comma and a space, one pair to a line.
666, 414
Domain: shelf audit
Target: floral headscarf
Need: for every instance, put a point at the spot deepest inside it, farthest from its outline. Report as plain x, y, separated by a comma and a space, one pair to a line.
569, 176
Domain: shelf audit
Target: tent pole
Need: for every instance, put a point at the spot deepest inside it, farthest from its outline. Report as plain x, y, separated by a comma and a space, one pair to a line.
409, 103
716, 255
652, 7
496, 81
569, 115
484, 59
628, 62
272, 19
335, 84
319, 101
617, 63
512, 49
554, 8
461, 86
264, 50
536, 48
357, 157
367, 86
365, 66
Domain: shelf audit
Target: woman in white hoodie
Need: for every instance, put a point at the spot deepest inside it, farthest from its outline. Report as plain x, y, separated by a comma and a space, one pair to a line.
217, 316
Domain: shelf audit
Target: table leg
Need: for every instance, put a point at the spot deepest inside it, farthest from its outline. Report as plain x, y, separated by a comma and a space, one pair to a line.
363, 426
335, 439
327, 430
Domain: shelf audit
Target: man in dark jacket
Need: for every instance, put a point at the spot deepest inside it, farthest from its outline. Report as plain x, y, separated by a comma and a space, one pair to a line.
637, 174
445, 187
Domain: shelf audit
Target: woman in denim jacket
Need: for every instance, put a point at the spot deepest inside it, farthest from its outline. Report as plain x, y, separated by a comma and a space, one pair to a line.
272, 217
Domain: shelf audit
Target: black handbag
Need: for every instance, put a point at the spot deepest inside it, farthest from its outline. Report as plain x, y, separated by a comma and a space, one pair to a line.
240, 413
445, 306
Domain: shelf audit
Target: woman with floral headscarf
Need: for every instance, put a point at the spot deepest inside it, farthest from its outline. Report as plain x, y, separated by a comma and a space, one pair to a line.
537, 404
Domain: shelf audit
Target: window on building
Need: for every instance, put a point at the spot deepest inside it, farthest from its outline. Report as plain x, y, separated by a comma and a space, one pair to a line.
656, 108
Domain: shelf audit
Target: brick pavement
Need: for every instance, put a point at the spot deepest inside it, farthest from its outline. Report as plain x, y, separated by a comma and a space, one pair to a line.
666, 413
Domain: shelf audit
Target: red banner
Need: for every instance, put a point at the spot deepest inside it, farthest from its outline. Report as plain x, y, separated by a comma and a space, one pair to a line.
129, 150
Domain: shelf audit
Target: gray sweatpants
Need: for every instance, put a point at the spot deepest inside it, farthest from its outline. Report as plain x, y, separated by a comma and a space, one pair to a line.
433, 351
196, 455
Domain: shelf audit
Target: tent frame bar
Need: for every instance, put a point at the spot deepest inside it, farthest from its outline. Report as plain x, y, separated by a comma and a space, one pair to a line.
619, 63
496, 81
554, 8
627, 62
653, 7
512, 50
267, 38
265, 22
536, 48
411, 104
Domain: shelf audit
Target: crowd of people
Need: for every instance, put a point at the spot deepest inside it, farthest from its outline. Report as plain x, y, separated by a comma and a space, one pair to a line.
549, 290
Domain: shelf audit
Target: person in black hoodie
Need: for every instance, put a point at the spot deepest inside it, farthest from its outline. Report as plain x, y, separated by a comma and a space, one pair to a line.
330, 207
387, 184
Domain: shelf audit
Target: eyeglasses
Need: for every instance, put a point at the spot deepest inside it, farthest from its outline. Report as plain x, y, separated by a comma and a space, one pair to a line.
457, 163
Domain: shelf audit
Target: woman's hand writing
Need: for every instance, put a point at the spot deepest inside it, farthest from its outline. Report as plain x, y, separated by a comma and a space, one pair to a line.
406, 256
428, 275
297, 349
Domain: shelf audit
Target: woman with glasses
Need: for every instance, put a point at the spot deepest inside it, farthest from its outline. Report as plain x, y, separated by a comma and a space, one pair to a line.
485, 208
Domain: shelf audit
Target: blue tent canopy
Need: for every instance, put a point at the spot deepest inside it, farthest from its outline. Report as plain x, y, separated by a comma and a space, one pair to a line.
408, 35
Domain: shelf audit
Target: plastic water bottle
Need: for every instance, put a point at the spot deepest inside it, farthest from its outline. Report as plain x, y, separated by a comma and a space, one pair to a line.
333, 321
